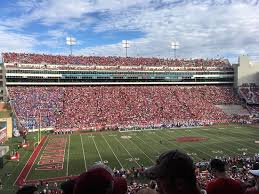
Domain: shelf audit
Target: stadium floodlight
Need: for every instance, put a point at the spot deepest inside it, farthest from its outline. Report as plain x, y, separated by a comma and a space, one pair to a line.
175, 45
70, 41
126, 45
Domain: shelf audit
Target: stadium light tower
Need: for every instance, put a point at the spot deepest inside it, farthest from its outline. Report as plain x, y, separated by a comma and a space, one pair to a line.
126, 45
70, 42
175, 45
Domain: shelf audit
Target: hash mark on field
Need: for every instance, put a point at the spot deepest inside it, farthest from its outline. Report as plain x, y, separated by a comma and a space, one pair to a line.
97, 150
127, 151
83, 152
112, 150
68, 154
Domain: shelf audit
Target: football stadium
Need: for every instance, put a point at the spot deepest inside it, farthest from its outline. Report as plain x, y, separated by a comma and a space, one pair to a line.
69, 113
135, 124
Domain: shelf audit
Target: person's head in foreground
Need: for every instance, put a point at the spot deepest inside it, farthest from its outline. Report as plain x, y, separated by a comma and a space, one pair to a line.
174, 172
255, 173
147, 191
28, 189
99, 181
67, 187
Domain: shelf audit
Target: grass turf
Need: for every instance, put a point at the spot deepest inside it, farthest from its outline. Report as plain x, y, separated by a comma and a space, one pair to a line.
142, 148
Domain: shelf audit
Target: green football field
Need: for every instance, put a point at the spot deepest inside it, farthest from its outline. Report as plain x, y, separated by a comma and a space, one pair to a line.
125, 150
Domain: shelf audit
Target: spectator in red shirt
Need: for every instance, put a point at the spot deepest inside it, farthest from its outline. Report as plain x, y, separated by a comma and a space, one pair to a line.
255, 172
222, 184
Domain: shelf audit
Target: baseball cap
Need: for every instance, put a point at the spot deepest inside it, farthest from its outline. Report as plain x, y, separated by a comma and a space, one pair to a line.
255, 169
172, 164
99, 181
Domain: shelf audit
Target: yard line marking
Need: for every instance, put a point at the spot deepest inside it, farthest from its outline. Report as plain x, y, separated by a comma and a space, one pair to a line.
83, 152
240, 139
127, 151
156, 142
181, 148
112, 151
142, 151
97, 149
148, 145
191, 147
216, 145
207, 147
68, 153
232, 143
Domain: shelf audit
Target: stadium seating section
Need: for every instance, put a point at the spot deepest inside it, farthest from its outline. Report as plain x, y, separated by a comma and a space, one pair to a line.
250, 92
95, 62
119, 106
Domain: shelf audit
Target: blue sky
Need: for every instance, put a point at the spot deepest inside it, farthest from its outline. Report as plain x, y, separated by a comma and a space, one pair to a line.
203, 28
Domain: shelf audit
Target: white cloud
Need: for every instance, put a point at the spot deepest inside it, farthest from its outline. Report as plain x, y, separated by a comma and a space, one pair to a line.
204, 28
11, 41
50, 12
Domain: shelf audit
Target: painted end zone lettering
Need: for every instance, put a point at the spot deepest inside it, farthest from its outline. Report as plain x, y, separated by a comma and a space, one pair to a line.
58, 166
53, 155
51, 161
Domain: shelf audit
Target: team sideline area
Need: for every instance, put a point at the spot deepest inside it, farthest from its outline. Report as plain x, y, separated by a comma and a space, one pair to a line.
127, 150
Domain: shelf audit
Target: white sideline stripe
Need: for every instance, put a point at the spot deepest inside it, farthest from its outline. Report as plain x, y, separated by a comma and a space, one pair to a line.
112, 151
148, 145
68, 153
142, 151
127, 151
83, 151
28, 161
97, 149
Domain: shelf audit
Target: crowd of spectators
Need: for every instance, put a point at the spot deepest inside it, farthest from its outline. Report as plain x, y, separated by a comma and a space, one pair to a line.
250, 92
97, 62
113, 107
232, 175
